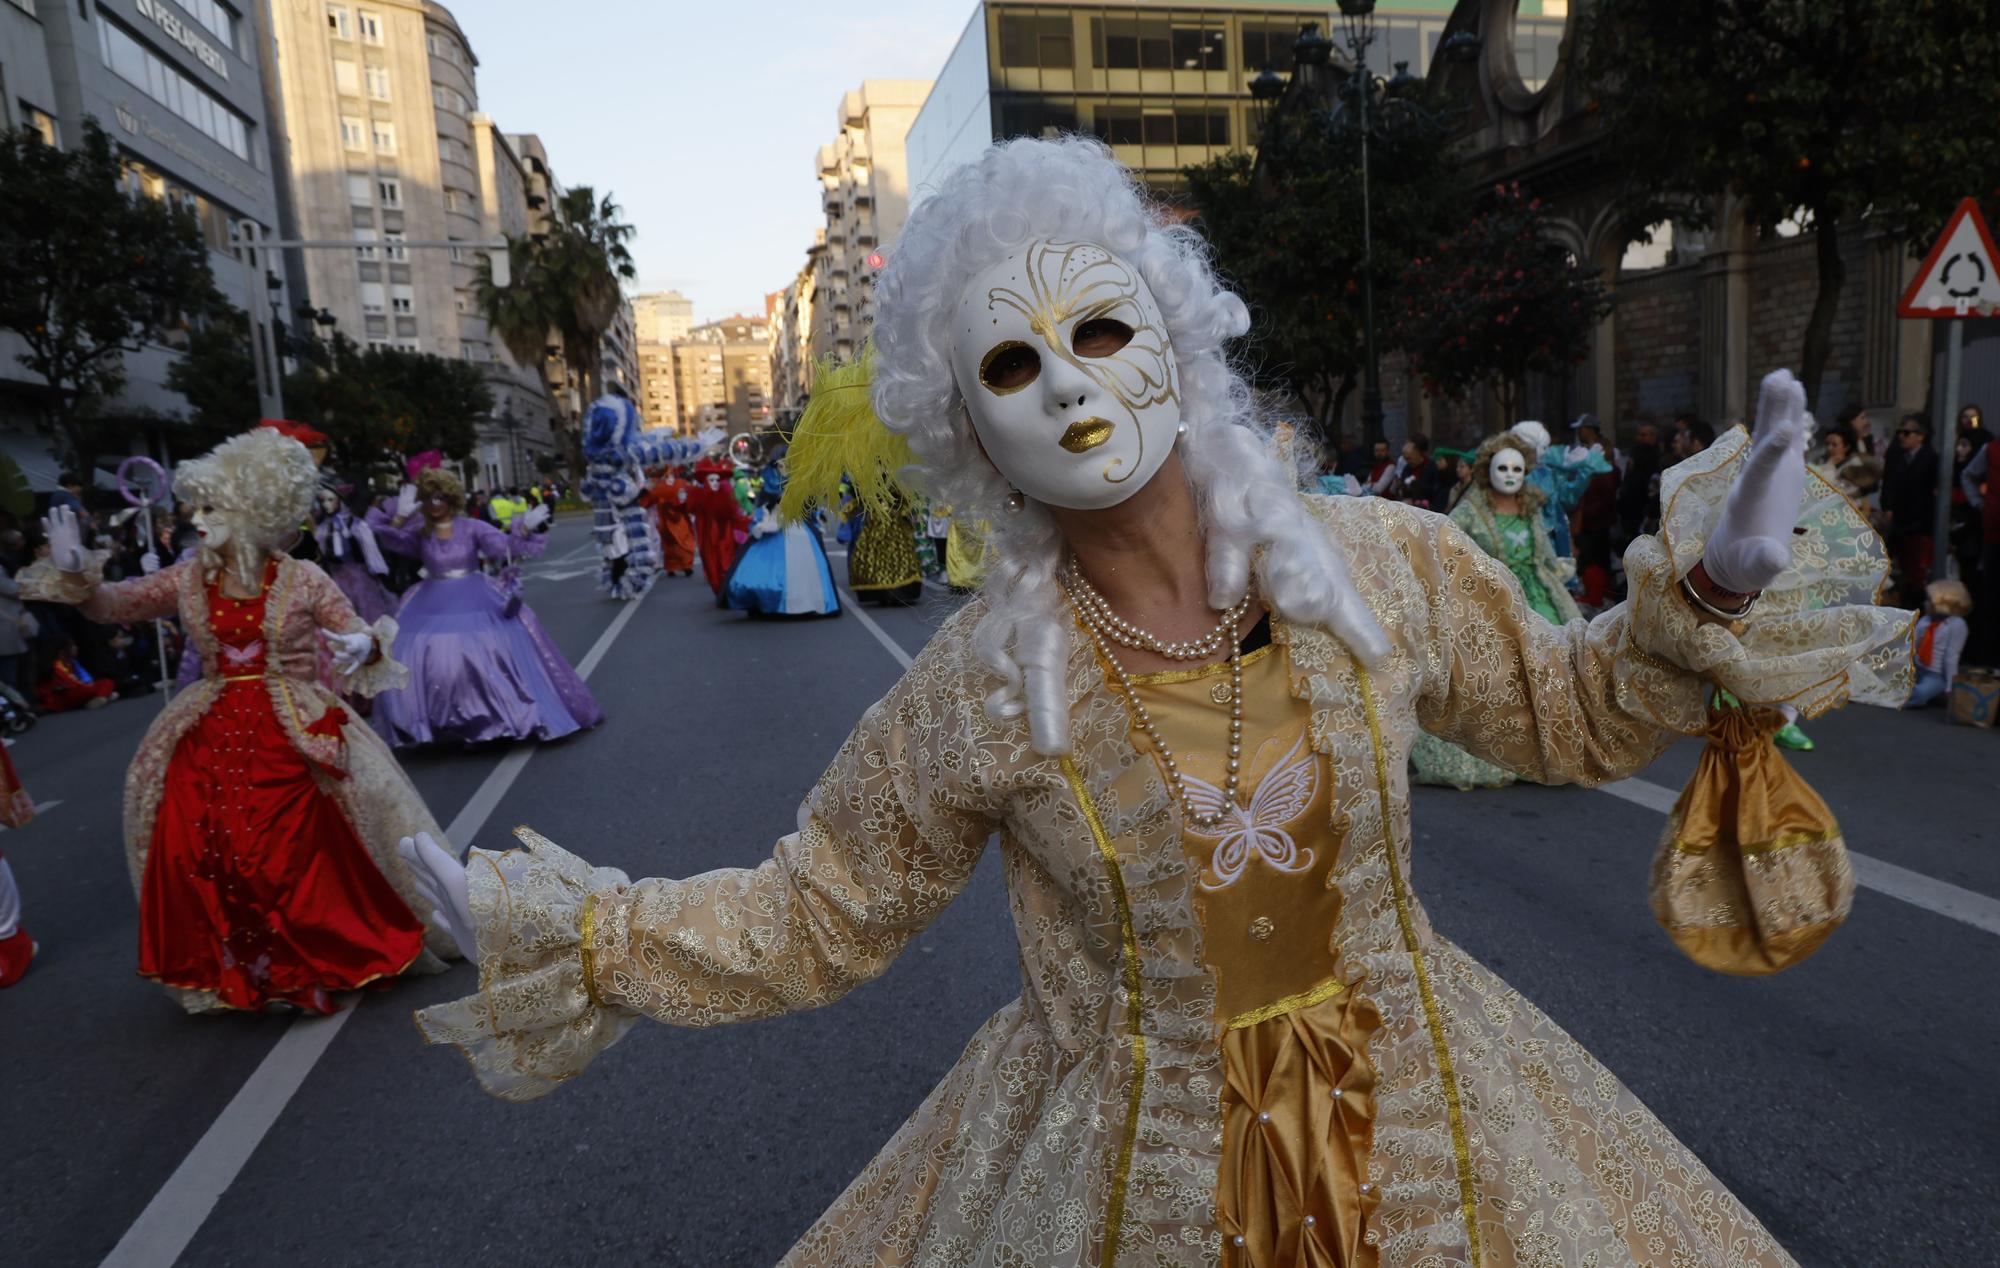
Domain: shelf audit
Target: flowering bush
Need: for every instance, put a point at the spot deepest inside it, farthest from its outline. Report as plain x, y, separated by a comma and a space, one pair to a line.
1496, 301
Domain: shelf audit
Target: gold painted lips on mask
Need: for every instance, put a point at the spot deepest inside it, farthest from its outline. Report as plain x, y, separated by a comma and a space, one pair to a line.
1086, 434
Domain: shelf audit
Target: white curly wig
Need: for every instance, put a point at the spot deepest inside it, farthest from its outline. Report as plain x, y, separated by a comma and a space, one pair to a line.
262, 482
1073, 190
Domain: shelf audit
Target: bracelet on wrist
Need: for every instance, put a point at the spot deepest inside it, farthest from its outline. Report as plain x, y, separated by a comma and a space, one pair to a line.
1701, 604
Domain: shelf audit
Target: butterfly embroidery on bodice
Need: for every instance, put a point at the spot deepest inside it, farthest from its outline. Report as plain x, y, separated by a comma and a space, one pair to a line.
1258, 833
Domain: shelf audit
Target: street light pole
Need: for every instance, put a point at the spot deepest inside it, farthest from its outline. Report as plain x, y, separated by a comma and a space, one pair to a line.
1359, 36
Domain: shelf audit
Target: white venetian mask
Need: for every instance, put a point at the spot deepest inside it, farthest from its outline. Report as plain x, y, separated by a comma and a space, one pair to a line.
213, 526
1508, 470
1062, 357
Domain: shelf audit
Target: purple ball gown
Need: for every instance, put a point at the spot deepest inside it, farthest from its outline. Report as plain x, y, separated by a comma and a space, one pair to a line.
481, 666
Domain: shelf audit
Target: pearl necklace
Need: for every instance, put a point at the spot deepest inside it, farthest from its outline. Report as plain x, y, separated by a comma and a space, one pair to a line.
1106, 627
1097, 610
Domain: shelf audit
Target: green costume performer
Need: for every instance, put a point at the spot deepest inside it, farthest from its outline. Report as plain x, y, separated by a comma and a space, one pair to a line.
882, 564
1521, 541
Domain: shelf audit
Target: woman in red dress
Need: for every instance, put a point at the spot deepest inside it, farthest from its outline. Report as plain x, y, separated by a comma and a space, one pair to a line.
260, 815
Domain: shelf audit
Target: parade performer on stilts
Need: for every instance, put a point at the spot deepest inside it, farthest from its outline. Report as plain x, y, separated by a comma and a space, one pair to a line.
614, 480
1182, 704
783, 569
1502, 514
261, 817
668, 497
720, 523
839, 440
481, 667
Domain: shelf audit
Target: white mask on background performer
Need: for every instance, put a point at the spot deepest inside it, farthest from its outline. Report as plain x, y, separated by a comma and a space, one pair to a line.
1063, 359
1508, 471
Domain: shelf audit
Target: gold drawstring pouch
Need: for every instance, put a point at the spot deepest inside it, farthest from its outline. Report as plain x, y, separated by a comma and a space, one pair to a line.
1752, 874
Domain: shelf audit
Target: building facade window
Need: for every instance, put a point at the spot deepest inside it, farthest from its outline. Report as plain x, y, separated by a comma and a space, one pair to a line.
42, 124
145, 70
372, 298
338, 23
365, 252
370, 26
385, 136
1036, 40
378, 82
360, 190
402, 299
398, 253
219, 19
390, 192
352, 134
346, 77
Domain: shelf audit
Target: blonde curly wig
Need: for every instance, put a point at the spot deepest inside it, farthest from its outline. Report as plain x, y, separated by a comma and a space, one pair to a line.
443, 482
261, 485
1482, 467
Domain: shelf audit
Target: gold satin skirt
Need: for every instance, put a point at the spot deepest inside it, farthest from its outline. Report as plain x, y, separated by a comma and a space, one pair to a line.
1298, 1130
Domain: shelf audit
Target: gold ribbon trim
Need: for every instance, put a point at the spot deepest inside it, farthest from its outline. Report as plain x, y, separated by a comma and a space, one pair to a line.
1289, 1004
1468, 1198
1114, 1211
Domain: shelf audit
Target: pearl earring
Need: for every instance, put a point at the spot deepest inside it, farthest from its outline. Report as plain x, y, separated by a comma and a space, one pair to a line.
1015, 501
1180, 429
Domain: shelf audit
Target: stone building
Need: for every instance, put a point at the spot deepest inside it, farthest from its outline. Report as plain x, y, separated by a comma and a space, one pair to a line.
1697, 319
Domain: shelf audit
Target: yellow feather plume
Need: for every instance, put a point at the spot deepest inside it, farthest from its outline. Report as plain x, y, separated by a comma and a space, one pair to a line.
839, 435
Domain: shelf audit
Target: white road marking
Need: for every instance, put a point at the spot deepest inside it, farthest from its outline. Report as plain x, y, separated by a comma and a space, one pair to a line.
170, 1221
41, 808
1942, 897
881, 635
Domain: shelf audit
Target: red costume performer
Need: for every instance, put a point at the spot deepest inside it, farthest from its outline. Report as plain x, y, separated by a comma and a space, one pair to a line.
260, 815
669, 497
718, 519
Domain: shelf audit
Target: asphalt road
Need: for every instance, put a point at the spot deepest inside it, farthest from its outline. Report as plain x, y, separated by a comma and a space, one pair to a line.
1847, 1101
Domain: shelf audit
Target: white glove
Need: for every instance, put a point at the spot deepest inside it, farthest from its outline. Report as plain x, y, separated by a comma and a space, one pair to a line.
149, 563
440, 881
350, 651
532, 518
406, 502
65, 536
1752, 543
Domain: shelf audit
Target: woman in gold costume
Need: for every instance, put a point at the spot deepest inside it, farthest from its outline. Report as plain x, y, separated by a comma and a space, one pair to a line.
1182, 700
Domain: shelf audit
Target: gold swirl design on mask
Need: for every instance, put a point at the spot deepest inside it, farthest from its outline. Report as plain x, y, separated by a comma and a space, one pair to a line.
1080, 281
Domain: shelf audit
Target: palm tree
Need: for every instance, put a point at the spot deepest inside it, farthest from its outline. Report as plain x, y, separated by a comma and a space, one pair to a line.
565, 289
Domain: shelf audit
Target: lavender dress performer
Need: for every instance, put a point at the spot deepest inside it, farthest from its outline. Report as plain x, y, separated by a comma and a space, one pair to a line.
348, 554
481, 666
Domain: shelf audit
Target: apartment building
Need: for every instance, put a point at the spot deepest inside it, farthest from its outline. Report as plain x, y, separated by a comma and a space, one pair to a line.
659, 319
380, 107
722, 373
865, 186
179, 89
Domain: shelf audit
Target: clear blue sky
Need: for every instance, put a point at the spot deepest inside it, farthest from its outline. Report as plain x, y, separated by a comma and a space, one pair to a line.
703, 117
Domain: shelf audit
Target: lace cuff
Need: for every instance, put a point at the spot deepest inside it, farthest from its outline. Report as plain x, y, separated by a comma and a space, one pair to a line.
43, 582
385, 672
535, 1021
1817, 637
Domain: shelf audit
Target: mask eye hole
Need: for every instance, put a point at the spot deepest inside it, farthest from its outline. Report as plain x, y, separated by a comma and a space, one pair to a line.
1009, 367
1100, 337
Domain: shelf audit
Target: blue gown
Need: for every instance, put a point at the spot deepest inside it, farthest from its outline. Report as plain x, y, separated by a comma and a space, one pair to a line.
783, 569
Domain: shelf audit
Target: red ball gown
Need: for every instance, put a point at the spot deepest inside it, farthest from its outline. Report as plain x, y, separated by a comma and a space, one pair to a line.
261, 815
257, 887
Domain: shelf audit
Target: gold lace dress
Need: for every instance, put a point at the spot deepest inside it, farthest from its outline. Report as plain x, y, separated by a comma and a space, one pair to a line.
1110, 1114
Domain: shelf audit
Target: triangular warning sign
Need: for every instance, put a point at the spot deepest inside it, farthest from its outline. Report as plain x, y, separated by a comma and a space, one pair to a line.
1961, 275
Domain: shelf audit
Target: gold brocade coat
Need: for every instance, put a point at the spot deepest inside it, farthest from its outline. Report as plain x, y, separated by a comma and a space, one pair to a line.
1083, 1123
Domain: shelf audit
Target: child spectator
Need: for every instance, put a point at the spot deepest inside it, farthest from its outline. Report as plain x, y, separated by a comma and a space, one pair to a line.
70, 686
1940, 638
